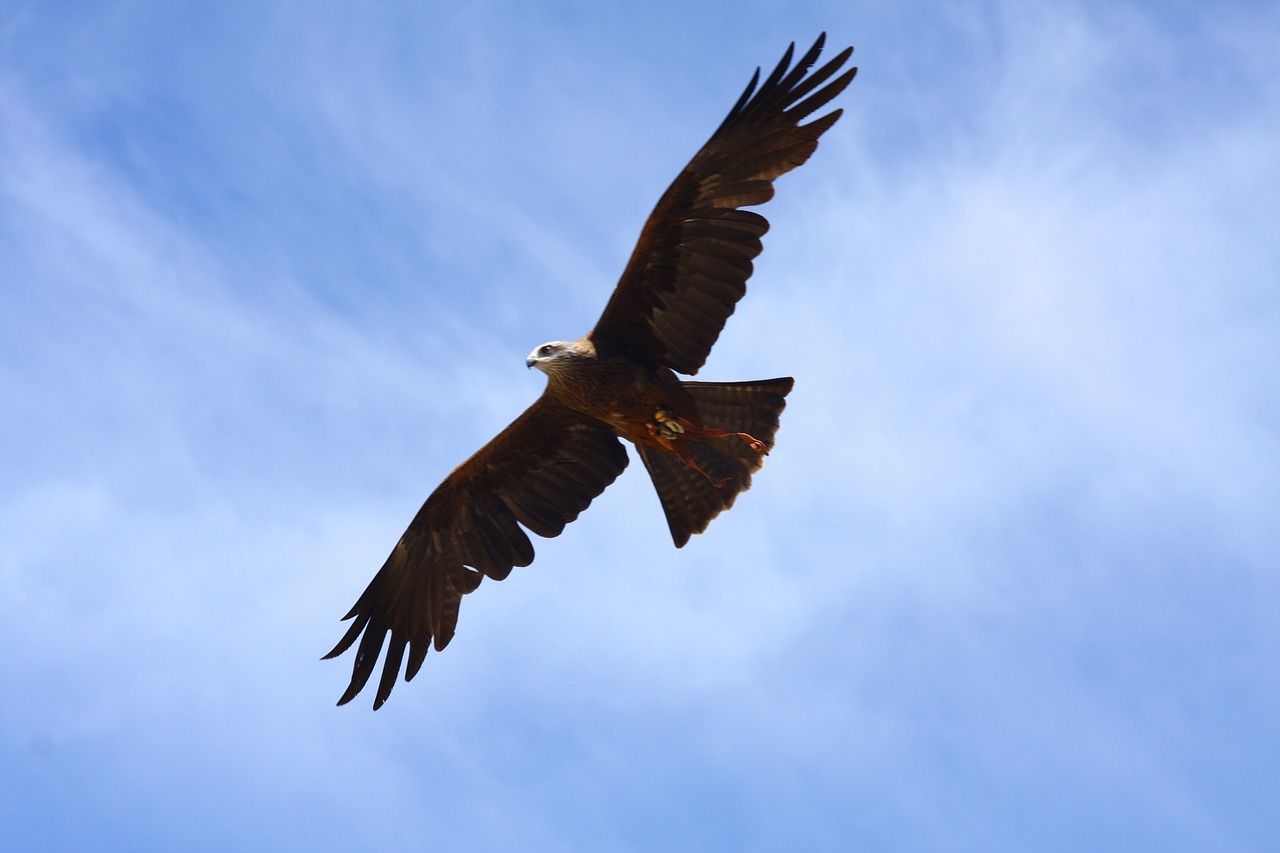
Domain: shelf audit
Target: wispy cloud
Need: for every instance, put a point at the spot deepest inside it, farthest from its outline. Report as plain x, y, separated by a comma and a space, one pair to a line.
1006, 582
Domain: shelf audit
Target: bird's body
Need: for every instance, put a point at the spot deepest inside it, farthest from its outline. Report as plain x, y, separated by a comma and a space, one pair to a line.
617, 390
658, 413
699, 441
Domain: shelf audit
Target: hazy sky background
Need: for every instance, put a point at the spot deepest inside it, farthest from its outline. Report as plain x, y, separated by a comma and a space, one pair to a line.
1010, 580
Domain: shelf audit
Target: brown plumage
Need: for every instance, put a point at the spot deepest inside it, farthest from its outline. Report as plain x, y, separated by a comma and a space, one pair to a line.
700, 441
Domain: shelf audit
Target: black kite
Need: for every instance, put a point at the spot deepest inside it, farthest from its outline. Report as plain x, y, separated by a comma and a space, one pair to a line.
700, 441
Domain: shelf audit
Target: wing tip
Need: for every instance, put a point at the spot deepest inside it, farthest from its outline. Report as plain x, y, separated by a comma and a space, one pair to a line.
350, 693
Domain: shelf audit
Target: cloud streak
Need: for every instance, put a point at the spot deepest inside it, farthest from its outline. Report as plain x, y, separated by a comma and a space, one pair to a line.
1006, 583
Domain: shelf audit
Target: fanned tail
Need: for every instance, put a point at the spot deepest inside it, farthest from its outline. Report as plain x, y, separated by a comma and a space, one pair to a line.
692, 496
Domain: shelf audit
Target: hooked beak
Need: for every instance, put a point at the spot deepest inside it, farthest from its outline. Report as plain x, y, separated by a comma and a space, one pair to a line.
530, 361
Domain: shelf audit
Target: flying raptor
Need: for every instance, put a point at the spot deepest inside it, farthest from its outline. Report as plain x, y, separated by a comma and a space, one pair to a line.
700, 441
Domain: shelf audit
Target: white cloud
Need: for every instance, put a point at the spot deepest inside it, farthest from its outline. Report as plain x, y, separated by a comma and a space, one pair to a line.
1010, 565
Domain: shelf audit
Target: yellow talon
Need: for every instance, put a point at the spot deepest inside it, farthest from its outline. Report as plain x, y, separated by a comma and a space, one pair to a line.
666, 425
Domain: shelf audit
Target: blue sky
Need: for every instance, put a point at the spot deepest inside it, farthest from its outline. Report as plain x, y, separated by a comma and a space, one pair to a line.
1010, 580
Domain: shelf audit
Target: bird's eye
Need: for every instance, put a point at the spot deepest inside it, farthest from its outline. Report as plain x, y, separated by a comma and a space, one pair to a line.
545, 349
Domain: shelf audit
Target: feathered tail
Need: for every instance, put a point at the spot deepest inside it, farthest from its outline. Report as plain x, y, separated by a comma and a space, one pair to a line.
689, 497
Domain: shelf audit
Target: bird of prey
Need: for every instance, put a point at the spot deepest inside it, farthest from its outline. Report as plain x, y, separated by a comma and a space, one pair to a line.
700, 441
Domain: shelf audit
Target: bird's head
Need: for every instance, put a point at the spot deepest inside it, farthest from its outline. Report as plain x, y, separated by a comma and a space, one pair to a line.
555, 356
547, 357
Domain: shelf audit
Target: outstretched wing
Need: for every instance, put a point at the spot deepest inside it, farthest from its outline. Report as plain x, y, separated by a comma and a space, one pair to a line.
690, 267
540, 472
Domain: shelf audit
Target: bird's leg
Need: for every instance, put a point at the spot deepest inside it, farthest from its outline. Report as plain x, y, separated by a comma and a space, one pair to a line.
667, 428
754, 443
692, 463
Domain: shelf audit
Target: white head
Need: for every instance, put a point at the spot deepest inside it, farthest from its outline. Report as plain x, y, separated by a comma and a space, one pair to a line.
555, 356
